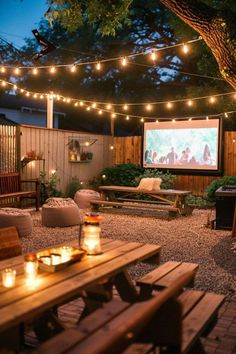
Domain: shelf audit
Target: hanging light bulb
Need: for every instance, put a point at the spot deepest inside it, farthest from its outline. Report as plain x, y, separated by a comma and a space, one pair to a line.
94, 105
3, 83
190, 103
88, 108
113, 115
64, 99
226, 115
100, 111
41, 97
124, 61
127, 117
35, 71
52, 70
81, 103
153, 55
22, 90
212, 99
142, 120
58, 98
185, 48
125, 107
76, 104
27, 94
86, 143
3, 70
111, 147
17, 71
98, 66
108, 106
73, 69
68, 100
169, 105
35, 95
148, 107
15, 87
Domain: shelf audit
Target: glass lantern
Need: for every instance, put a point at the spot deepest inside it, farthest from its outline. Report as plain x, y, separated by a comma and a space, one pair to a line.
91, 234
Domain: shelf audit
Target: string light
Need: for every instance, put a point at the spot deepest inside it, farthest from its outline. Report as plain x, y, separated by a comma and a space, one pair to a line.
212, 99
190, 103
94, 105
108, 106
98, 66
88, 108
127, 117
76, 104
226, 115
35, 71
17, 71
125, 107
3, 83
113, 115
111, 147
73, 69
100, 112
169, 105
3, 70
81, 103
185, 48
142, 120
52, 70
153, 55
148, 107
124, 61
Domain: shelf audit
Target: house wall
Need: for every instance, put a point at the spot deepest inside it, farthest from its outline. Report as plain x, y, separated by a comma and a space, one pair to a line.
53, 145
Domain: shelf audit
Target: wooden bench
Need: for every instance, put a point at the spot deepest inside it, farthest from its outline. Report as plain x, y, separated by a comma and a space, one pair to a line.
165, 275
169, 200
165, 320
10, 245
11, 189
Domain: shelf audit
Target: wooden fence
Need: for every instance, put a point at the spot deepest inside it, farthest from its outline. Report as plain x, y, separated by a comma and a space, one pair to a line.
51, 145
9, 148
129, 149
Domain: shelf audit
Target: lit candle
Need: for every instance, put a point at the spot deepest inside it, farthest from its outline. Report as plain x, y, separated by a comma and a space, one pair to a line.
31, 265
66, 252
46, 259
56, 258
92, 230
8, 277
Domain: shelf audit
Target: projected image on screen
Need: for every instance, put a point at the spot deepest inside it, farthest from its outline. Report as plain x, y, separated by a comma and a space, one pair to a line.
182, 145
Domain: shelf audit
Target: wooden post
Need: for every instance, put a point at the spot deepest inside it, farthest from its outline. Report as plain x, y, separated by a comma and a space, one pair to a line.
50, 111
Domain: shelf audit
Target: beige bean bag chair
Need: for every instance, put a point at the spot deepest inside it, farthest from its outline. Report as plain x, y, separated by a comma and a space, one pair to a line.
19, 218
83, 196
60, 212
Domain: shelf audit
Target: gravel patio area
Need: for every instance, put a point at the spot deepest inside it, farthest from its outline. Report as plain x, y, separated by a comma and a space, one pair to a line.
182, 239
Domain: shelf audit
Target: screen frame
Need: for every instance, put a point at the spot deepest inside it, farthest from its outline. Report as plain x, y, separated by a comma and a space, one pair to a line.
185, 171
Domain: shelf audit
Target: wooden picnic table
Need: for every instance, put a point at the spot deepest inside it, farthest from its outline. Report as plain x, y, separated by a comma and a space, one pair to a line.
89, 278
171, 200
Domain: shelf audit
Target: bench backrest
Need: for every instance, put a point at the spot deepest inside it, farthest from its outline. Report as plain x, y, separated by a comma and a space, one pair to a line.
114, 327
10, 245
9, 182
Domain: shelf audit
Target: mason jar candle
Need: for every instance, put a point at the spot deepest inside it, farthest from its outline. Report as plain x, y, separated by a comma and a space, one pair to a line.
8, 277
91, 234
31, 265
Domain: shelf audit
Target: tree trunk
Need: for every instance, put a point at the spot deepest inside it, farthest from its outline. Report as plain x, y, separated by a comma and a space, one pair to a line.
217, 29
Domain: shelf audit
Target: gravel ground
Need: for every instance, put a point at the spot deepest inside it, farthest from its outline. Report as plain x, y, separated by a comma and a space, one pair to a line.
182, 239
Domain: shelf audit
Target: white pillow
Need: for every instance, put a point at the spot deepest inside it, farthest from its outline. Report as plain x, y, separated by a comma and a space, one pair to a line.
157, 183
146, 183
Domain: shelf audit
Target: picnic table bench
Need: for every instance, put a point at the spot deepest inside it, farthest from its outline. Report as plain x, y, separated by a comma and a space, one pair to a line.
11, 189
165, 320
171, 200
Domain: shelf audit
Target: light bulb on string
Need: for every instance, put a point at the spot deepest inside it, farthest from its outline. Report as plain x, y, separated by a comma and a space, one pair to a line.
73, 69
185, 48
169, 105
35, 71
52, 70
35, 95
111, 147
212, 99
98, 66
27, 94
100, 111
58, 98
22, 90
15, 87
127, 117
76, 104
125, 107
142, 120
81, 103
226, 115
3, 70
153, 55
41, 97
4, 83
108, 106
190, 103
17, 71
94, 105
148, 107
88, 108
124, 61
68, 100
113, 115
64, 99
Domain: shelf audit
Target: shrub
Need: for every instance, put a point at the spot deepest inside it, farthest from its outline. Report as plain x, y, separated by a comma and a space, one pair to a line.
122, 175
167, 178
49, 186
217, 183
73, 186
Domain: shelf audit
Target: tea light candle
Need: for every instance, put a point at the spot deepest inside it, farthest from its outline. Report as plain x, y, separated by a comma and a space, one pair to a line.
46, 260
66, 252
31, 265
8, 277
56, 258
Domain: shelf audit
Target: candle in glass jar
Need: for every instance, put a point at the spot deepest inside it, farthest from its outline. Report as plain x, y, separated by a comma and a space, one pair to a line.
31, 265
8, 277
92, 230
46, 259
